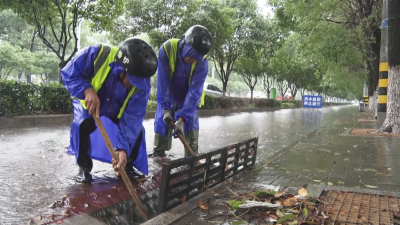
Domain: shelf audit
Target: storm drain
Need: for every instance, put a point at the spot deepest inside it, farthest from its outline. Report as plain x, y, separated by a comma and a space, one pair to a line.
183, 179
359, 208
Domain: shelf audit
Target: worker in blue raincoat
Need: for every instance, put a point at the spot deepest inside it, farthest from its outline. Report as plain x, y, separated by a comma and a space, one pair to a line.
182, 70
114, 84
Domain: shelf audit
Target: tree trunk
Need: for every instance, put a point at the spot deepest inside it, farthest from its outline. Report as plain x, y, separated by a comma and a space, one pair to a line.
373, 104
268, 94
224, 86
32, 49
251, 96
392, 121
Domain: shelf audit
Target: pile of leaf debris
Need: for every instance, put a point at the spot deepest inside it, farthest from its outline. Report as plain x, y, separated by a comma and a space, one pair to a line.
59, 211
276, 207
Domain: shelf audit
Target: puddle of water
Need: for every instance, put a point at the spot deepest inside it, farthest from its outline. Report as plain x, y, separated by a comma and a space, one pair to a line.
36, 171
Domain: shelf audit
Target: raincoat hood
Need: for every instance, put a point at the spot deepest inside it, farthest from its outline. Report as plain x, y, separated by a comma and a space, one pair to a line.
138, 82
189, 51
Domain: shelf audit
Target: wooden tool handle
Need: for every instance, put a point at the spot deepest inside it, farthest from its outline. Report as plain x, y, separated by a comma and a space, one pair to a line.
183, 140
120, 170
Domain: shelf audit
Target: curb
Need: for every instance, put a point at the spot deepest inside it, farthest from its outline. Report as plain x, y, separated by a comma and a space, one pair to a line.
35, 121
66, 119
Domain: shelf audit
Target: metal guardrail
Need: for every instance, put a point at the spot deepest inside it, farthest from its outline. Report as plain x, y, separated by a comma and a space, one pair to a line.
183, 179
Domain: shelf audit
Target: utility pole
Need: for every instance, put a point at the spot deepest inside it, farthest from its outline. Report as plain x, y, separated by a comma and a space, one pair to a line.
383, 66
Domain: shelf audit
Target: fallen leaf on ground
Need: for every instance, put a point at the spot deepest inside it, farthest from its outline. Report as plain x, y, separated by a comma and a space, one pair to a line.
36, 219
65, 212
86, 205
302, 191
203, 205
362, 218
64, 197
330, 183
286, 217
289, 202
272, 216
279, 213
279, 194
371, 186
325, 216
235, 204
59, 222
305, 213
317, 181
109, 196
94, 195
114, 212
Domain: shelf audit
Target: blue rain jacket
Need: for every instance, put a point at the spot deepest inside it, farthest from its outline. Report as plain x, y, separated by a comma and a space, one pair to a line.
122, 132
185, 96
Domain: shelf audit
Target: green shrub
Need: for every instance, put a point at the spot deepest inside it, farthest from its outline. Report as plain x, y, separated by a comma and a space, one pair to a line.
288, 105
260, 102
54, 98
297, 103
16, 98
153, 97
151, 106
274, 103
211, 102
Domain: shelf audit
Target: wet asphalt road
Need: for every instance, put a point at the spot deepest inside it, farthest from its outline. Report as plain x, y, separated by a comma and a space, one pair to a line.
35, 169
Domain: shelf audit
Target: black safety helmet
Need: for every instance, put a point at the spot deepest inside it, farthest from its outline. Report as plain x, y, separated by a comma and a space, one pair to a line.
137, 57
199, 38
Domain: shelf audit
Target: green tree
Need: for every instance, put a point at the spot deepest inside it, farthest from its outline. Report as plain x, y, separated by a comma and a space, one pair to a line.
46, 66
225, 57
16, 30
56, 21
161, 19
348, 26
268, 84
8, 56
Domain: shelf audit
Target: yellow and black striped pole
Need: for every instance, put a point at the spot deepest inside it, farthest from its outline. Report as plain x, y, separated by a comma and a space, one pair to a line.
383, 66
383, 86
365, 94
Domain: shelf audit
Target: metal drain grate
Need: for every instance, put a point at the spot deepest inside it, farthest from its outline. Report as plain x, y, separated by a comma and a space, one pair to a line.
184, 178
359, 208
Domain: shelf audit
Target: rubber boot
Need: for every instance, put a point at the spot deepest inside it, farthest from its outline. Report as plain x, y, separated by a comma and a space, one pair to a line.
134, 173
84, 176
84, 161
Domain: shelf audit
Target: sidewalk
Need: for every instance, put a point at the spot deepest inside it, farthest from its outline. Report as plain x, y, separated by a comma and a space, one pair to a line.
324, 160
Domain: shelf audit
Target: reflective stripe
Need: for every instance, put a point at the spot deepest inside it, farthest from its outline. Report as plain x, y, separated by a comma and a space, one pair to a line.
171, 49
203, 96
102, 69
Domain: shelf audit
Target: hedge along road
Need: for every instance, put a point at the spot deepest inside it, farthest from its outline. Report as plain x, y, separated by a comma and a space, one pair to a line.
35, 169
